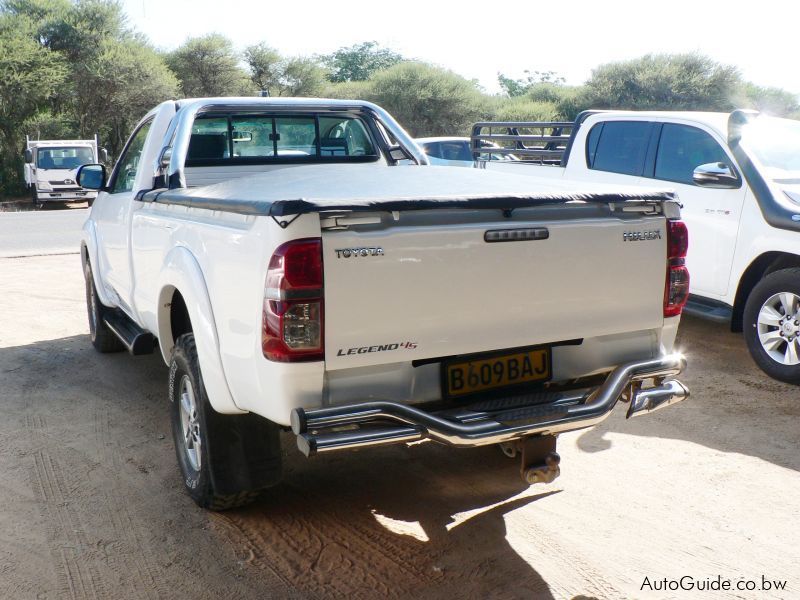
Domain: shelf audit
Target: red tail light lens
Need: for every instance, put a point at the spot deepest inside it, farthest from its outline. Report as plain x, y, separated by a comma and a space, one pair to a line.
677, 239
676, 291
293, 314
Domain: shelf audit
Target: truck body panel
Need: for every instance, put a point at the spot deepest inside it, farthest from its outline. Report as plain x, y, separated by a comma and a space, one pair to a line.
421, 277
477, 284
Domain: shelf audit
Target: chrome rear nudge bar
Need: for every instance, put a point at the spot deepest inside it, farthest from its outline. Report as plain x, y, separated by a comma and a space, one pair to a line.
379, 422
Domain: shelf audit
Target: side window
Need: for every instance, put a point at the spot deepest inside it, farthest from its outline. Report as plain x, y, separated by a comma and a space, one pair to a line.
209, 139
297, 137
130, 161
621, 147
252, 137
682, 149
456, 151
432, 149
591, 144
353, 139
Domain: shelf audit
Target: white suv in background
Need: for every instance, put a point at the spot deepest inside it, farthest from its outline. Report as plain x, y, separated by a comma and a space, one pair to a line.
737, 176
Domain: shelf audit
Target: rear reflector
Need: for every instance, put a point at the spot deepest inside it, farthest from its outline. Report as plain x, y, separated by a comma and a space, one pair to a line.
293, 313
677, 239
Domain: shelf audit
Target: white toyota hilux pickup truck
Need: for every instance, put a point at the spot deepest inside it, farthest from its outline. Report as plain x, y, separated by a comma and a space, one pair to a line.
737, 176
297, 264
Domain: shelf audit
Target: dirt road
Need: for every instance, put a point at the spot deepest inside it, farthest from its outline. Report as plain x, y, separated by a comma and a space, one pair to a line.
93, 506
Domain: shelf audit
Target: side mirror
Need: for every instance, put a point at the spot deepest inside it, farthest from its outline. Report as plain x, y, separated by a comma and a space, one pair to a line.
716, 175
396, 153
103, 155
91, 177
28, 155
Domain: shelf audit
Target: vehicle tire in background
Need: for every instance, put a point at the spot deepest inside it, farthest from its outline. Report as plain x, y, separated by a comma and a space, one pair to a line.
34, 199
103, 339
226, 460
772, 325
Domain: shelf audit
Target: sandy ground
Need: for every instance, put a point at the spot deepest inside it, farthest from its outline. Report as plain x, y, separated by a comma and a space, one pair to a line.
92, 505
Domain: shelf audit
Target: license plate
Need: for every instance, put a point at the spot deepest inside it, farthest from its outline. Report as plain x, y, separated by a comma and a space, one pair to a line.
482, 373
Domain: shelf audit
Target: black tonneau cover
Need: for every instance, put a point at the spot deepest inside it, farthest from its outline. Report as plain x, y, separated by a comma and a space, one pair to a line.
295, 190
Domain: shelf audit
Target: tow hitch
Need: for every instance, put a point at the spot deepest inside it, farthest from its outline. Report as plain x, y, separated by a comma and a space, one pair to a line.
539, 460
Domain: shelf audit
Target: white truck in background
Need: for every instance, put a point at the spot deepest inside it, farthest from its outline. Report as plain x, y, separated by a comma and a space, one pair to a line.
737, 177
51, 167
294, 270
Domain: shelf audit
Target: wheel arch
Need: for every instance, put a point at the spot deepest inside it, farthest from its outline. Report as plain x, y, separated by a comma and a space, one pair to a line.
89, 256
763, 265
184, 305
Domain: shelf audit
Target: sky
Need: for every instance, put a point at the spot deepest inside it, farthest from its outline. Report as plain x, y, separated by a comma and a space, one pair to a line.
478, 39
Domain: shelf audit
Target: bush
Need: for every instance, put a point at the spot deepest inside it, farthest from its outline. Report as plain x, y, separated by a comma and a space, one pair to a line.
522, 108
349, 90
773, 101
428, 100
664, 82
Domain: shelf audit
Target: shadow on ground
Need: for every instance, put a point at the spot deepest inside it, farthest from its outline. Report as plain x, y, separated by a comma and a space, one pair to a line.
87, 439
734, 406
26, 205
399, 522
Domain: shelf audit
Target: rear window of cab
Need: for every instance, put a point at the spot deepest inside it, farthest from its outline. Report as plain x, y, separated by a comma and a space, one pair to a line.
247, 139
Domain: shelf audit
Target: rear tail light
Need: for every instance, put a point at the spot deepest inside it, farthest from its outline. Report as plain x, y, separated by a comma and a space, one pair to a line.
676, 291
293, 314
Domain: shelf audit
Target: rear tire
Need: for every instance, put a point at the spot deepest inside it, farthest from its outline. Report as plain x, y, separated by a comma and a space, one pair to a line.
772, 325
103, 339
226, 460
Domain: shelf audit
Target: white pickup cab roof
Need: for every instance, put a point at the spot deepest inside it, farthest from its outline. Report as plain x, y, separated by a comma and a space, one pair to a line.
718, 121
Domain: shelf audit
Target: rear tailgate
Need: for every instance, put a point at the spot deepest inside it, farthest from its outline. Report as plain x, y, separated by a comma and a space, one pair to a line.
427, 284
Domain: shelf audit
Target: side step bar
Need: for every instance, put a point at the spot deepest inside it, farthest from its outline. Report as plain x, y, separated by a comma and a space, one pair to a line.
134, 338
378, 422
708, 309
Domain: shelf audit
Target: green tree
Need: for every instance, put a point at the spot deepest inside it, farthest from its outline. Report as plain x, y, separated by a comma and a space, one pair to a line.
209, 66
51, 126
133, 79
269, 71
266, 66
665, 82
359, 62
520, 87
428, 100
75, 30
302, 76
30, 73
